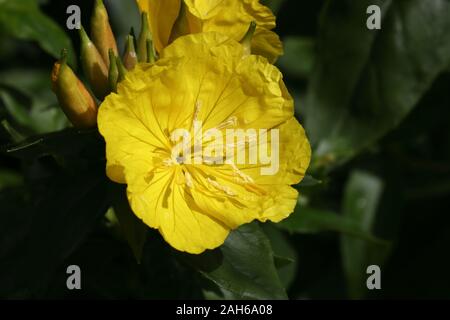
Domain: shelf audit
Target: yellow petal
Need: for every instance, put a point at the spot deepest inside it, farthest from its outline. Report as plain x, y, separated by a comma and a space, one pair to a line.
129, 132
206, 9
260, 13
294, 157
248, 89
166, 205
280, 204
218, 192
267, 43
232, 18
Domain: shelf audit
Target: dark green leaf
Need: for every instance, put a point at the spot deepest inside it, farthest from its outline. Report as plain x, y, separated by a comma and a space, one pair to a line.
298, 58
243, 265
29, 101
9, 179
361, 198
165, 277
310, 220
284, 254
274, 5
133, 229
66, 143
61, 212
24, 20
366, 81
9, 134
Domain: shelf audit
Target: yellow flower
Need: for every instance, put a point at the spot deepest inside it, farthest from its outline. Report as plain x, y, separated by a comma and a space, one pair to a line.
170, 19
203, 78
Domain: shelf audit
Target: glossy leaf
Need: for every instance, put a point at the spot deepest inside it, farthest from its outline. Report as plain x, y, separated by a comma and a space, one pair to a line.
133, 229
362, 194
284, 253
299, 57
23, 19
9, 178
274, 5
243, 265
310, 220
67, 143
27, 97
51, 225
366, 81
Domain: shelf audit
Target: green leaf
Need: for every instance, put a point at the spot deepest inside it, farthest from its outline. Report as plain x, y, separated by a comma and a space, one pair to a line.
29, 101
243, 265
23, 19
310, 220
133, 229
366, 81
68, 143
298, 59
362, 194
9, 133
274, 5
38, 231
9, 179
284, 253
15, 109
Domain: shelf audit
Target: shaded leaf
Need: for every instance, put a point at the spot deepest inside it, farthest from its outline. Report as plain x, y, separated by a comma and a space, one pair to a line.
298, 59
366, 81
9, 179
9, 134
23, 19
284, 254
362, 194
51, 224
27, 97
243, 265
311, 220
66, 143
133, 229
274, 5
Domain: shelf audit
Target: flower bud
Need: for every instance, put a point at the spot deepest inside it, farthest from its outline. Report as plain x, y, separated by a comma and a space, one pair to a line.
113, 76
121, 68
130, 55
73, 97
101, 32
246, 41
94, 67
145, 37
150, 52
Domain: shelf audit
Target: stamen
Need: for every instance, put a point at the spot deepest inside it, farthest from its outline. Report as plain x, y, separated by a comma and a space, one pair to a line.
220, 187
198, 107
238, 173
230, 122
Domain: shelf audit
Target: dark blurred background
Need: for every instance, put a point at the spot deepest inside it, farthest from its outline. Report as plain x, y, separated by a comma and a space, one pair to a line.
376, 106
